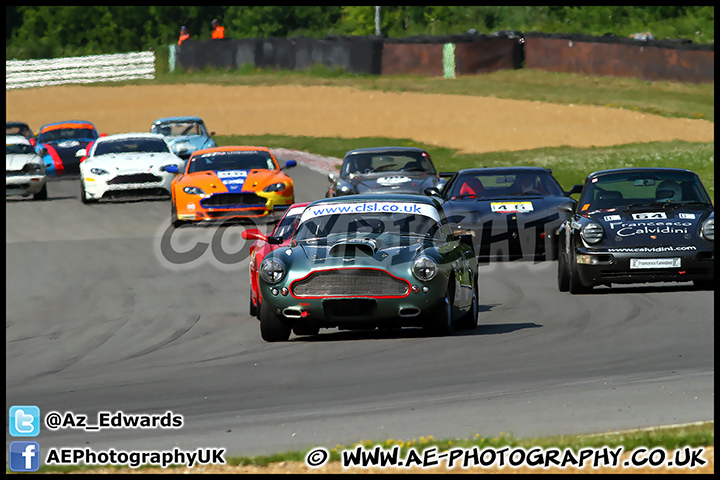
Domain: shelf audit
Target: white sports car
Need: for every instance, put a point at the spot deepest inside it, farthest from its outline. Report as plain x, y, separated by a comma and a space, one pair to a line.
24, 169
127, 164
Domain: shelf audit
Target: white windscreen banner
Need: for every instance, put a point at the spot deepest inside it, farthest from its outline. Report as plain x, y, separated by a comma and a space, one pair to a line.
408, 208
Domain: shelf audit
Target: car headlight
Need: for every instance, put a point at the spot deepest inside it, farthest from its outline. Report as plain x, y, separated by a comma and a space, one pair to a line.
193, 191
592, 232
345, 189
708, 229
272, 270
99, 171
32, 168
275, 187
424, 268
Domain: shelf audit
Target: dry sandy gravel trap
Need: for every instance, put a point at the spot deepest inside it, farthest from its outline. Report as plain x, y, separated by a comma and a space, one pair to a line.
466, 123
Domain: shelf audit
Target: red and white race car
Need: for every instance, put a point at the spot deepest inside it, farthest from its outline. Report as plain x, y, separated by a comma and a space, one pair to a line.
280, 236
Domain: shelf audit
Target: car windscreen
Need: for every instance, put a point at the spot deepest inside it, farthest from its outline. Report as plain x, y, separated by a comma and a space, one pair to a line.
622, 189
63, 134
177, 128
18, 148
361, 163
232, 160
23, 130
286, 227
132, 145
489, 185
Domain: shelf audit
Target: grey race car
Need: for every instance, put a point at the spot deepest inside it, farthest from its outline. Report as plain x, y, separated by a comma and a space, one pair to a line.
385, 170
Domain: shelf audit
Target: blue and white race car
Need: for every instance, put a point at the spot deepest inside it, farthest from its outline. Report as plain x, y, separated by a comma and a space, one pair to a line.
184, 134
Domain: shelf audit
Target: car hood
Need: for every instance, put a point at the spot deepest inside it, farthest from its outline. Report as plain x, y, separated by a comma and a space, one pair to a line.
650, 226
384, 252
471, 211
66, 149
125, 162
235, 181
18, 160
395, 182
196, 141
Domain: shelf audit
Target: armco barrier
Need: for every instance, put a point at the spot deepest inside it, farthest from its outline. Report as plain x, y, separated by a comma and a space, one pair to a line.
473, 53
360, 56
620, 57
89, 69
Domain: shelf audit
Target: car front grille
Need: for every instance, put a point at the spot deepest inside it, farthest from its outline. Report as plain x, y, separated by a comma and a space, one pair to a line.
350, 282
233, 200
13, 173
134, 178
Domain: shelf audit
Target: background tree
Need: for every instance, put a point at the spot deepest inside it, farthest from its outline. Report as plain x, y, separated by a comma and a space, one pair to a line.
60, 31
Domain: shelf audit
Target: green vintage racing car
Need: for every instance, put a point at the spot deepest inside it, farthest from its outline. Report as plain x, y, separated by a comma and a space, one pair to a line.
369, 261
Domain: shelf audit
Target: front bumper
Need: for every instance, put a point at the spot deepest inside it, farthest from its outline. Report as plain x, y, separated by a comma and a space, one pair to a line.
24, 185
356, 312
189, 208
609, 266
99, 187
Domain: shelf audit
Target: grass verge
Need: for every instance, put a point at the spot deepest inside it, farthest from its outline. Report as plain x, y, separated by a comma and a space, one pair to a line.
570, 165
669, 438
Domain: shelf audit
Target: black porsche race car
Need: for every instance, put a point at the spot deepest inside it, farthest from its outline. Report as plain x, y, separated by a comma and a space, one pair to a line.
511, 212
384, 170
638, 225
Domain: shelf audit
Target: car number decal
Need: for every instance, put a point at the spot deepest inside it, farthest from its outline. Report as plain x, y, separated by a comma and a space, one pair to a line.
648, 216
232, 179
395, 180
511, 207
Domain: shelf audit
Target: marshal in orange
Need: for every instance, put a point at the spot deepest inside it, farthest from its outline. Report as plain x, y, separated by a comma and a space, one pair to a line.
229, 182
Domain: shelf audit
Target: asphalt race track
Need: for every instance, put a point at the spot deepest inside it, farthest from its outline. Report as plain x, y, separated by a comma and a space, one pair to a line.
99, 320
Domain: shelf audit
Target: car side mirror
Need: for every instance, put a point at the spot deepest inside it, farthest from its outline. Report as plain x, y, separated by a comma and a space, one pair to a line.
172, 169
466, 239
575, 189
274, 240
212, 133
253, 234
432, 191
565, 208
80, 153
289, 164
332, 178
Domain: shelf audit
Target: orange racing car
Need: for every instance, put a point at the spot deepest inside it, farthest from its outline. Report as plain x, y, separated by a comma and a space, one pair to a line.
229, 182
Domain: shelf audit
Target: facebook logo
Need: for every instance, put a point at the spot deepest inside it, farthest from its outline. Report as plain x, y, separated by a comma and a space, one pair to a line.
24, 421
24, 456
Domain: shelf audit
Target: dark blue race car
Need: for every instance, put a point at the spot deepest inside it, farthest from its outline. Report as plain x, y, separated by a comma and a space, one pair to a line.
59, 142
511, 212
